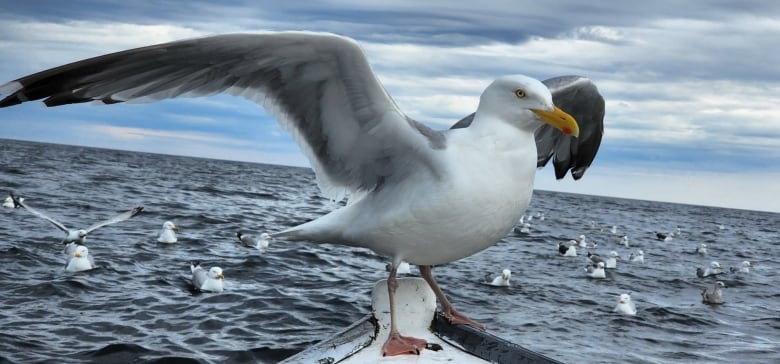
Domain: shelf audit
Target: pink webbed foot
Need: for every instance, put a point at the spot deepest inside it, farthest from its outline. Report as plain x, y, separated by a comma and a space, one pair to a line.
399, 345
457, 318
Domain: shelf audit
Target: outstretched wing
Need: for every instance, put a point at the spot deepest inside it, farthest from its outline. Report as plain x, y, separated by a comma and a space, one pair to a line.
580, 98
116, 219
319, 86
19, 202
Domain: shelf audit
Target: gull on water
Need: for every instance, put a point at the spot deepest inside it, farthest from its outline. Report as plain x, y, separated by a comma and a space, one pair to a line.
167, 233
713, 295
78, 235
9, 202
501, 280
713, 269
701, 249
639, 257
580, 242
624, 241
206, 281
78, 258
415, 194
596, 271
625, 305
252, 241
744, 268
567, 250
610, 262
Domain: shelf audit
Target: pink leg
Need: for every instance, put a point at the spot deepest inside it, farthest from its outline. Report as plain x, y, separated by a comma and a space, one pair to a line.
447, 309
397, 344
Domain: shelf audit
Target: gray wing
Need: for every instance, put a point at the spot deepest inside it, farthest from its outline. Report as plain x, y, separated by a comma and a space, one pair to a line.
579, 97
320, 87
35, 212
116, 219
199, 277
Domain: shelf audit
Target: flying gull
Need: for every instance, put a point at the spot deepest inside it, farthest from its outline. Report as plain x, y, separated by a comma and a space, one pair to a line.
77, 236
207, 281
167, 233
412, 190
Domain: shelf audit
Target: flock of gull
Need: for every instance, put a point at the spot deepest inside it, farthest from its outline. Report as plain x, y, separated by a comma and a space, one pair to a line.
597, 265
78, 258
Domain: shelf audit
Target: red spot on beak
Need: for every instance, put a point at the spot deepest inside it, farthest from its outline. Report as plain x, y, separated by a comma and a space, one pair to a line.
566, 131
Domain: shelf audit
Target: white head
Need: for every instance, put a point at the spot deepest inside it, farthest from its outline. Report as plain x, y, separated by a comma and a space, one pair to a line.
747, 264
524, 102
715, 265
600, 265
216, 273
506, 274
624, 298
641, 253
81, 252
720, 284
168, 225
614, 254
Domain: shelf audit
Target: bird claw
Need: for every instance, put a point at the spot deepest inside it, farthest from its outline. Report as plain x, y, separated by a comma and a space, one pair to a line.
400, 345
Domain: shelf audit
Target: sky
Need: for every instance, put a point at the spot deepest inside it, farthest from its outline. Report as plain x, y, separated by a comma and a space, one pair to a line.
692, 88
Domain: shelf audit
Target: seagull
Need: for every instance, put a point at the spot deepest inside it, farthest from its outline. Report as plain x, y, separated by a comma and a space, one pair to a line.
9, 202
168, 233
580, 242
79, 258
701, 249
624, 241
253, 242
744, 268
664, 236
713, 295
206, 281
610, 262
76, 236
414, 194
613, 229
596, 271
639, 257
713, 269
625, 306
567, 250
501, 280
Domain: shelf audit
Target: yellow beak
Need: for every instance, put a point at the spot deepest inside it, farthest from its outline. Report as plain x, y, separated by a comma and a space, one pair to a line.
221, 276
560, 120
77, 255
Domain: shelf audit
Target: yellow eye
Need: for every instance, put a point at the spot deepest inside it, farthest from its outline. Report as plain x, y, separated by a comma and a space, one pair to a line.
520, 93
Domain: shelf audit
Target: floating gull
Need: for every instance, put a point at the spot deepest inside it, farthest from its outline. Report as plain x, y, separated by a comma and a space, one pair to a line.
596, 271
639, 257
415, 194
168, 233
713, 269
610, 262
252, 241
624, 241
713, 295
701, 249
206, 281
500, 280
9, 202
664, 236
78, 258
77, 236
580, 243
613, 229
525, 229
744, 268
567, 250
625, 306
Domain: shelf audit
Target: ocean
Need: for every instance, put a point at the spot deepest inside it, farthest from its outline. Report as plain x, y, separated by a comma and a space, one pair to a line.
138, 305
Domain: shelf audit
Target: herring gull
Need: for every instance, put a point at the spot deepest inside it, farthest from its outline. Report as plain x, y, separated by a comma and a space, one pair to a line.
701, 249
501, 280
78, 258
167, 233
415, 194
625, 305
713, 269
567, 250
206, 281
596, 271
713, 295
639, 257
76, 236
252, 241
744, 268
